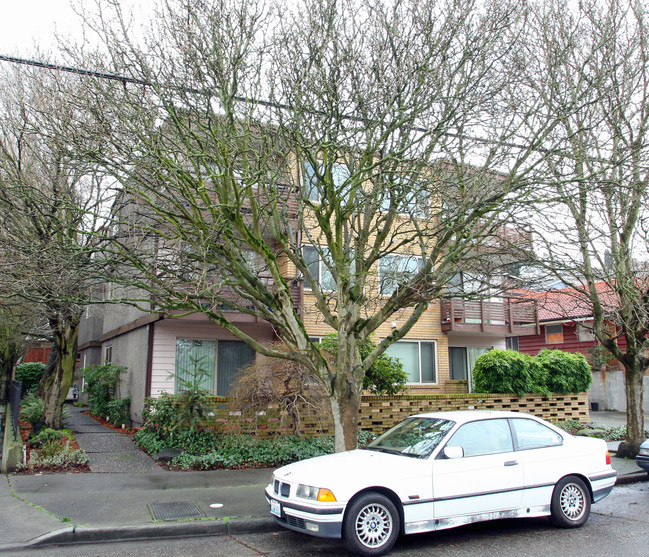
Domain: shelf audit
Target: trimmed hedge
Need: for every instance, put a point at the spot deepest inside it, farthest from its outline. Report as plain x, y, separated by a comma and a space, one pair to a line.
566, 372
551, 371
506, 371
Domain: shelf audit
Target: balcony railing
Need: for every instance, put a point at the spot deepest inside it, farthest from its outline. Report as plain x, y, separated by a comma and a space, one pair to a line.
510, 317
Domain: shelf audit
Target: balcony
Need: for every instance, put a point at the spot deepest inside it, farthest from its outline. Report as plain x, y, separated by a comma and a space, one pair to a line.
510, 317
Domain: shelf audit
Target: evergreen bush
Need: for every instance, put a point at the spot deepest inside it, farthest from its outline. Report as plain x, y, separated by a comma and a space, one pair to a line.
565, 372
505, 371
30, 374
102, 382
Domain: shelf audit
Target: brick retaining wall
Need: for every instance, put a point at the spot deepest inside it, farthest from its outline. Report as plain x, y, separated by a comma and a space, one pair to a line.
378, 413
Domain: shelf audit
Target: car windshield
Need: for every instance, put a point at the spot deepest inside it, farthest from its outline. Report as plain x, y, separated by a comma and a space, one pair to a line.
416, 437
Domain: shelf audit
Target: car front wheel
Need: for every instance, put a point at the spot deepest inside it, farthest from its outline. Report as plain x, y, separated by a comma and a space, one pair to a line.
570, 506
371, 525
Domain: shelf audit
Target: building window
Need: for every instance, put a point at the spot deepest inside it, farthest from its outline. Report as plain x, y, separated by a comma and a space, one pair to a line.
396, 270
512, 343
318, 268
410, 198
585, 334
418, 358
195, 364
554, 334
108, 354
339, 173
210, 365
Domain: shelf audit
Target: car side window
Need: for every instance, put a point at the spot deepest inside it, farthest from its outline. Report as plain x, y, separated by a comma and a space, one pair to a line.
483, 437
533, 435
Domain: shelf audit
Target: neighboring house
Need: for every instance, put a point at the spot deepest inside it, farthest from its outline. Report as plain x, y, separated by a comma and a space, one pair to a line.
438, 353
566, 323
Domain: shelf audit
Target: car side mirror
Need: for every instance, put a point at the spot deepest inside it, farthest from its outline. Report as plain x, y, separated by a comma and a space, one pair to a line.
453, 452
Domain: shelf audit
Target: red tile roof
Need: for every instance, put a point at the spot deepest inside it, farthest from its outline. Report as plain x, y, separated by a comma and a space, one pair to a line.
569, 303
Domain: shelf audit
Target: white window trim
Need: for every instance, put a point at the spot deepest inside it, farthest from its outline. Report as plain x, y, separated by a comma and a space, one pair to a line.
307, 187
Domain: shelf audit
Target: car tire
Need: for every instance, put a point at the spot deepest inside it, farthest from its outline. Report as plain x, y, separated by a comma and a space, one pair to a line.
371, 525
570, 507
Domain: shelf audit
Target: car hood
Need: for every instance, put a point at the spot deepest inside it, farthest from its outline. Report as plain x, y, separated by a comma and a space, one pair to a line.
358, 467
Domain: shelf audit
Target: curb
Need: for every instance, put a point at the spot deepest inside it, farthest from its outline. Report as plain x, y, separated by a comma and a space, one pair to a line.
188, 529
633, 477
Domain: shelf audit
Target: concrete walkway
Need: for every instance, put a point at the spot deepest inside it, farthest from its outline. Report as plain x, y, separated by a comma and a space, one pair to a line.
108, 451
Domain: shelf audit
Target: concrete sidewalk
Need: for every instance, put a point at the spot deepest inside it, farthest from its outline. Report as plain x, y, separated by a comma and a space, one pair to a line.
52, 509
66, 508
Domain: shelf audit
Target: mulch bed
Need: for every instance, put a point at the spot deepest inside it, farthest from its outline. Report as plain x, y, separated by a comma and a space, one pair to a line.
25, 430
125, 431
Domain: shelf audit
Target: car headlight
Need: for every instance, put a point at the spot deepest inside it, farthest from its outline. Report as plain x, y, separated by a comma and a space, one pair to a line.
644, 451
314, 493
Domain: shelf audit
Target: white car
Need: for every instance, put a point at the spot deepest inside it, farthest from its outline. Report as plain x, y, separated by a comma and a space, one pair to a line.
441, 470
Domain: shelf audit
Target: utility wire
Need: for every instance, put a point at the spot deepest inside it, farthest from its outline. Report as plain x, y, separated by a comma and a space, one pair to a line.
271, 104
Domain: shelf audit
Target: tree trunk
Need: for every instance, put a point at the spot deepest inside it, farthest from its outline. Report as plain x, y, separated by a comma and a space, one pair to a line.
58, 376
634, 411
345, 409
8, 358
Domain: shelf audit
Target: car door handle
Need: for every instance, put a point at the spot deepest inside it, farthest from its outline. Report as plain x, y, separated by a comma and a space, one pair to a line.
511, 463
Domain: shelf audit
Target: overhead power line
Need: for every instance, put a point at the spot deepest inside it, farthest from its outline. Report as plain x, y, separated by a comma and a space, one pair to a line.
271, 104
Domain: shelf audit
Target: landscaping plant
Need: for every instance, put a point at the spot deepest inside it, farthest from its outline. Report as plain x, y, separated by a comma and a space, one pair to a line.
102, 387
30, 374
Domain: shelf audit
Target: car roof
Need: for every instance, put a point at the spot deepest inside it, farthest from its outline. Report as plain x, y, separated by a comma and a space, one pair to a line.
462, 416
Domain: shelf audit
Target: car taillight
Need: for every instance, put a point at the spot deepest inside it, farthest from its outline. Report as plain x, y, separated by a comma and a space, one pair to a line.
608, 458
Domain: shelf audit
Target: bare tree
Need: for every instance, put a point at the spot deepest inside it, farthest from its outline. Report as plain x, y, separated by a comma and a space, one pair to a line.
362, 148
589, 64
50, 205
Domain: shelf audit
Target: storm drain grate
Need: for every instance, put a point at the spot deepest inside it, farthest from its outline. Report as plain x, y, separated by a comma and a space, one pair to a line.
175, 511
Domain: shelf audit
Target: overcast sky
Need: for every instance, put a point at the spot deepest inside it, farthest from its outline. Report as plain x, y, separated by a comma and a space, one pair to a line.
25, 23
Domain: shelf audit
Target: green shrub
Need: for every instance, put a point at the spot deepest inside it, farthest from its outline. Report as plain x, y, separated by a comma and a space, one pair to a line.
119, 411
47, 435
101, 385
385, 377
31, 408
505, 371
565, 372
30, 374
206, 450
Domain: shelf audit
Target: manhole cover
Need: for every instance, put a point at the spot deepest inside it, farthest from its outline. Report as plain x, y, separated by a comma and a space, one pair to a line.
175, 511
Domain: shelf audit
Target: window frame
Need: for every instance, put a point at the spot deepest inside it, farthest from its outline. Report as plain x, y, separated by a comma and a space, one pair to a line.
550, 338
317, 251
311, 193
434, 359
215, 357
416, 205
517, 445
381, 276
506, 426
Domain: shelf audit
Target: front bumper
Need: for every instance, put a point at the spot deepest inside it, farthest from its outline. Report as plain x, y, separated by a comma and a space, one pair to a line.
320, 521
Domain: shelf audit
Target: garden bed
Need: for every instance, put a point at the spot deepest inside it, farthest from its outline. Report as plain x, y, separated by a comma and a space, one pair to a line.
65, 446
